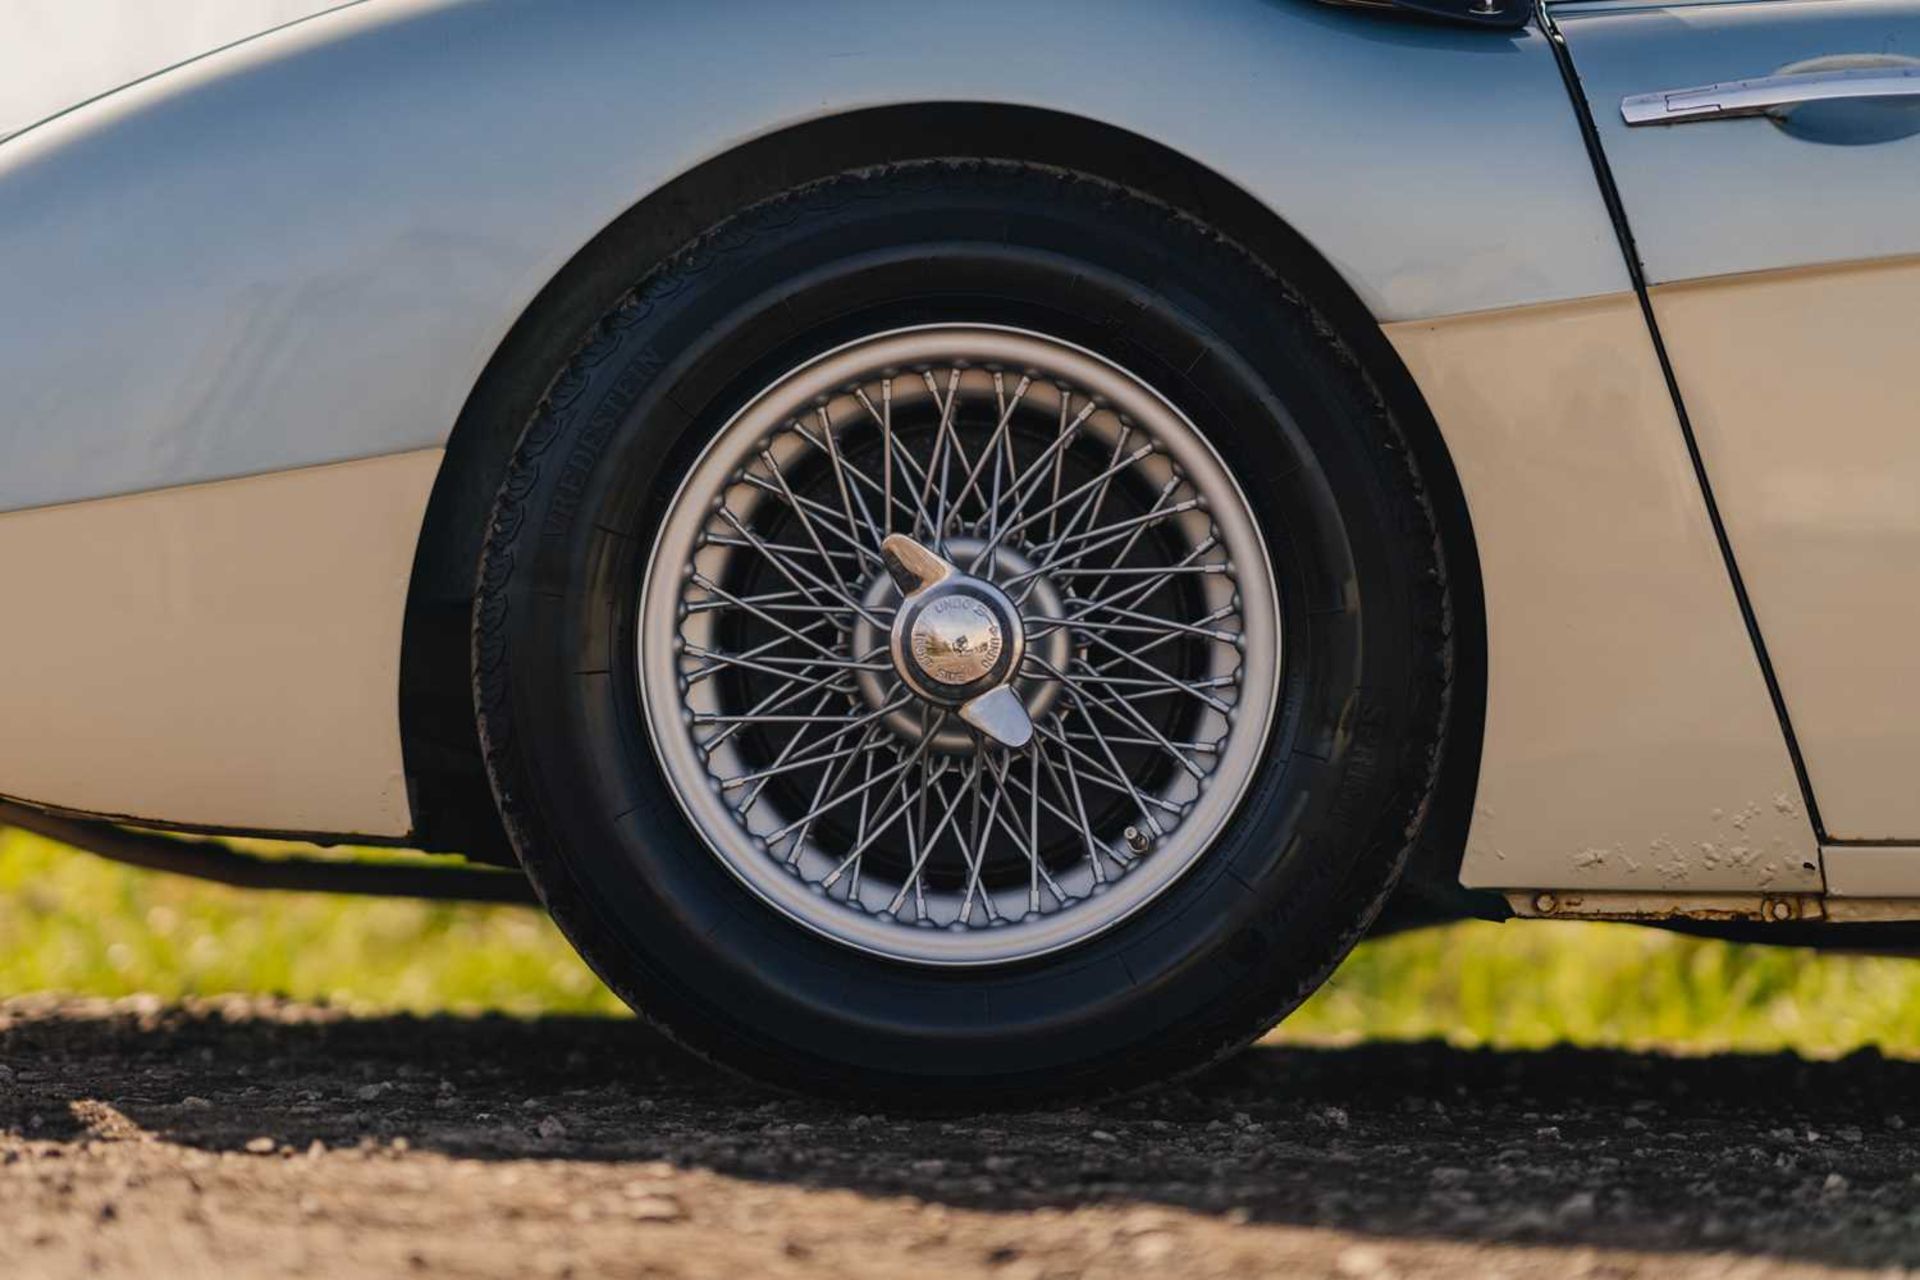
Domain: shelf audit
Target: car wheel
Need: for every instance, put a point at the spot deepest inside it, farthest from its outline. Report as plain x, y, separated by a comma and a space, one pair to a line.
960, 633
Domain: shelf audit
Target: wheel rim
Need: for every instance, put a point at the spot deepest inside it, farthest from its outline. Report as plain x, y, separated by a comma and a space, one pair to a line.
811, 751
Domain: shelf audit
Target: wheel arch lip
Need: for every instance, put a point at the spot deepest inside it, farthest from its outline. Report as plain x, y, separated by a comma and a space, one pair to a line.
482, 440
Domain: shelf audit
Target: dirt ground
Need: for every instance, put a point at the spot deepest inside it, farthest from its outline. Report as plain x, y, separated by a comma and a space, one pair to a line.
251, 1138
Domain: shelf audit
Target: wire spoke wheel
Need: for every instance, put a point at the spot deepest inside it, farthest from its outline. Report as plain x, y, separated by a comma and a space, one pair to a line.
1100, 571
962, 633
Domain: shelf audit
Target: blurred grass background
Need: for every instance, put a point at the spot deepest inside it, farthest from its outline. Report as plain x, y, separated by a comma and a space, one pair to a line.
72, 923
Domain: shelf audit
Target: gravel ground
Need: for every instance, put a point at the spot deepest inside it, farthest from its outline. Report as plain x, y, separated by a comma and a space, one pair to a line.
243, 1138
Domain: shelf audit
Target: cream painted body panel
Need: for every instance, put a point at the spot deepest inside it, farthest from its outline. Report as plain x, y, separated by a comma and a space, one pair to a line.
225, 654
1631, 743
1871, 871
1798, 384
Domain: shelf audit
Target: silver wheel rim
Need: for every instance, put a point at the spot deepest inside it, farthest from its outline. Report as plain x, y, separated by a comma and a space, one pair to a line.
1149, 662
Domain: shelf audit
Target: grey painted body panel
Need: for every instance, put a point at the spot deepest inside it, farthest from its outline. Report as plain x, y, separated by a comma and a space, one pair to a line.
1731, 196
60, 53
305, 248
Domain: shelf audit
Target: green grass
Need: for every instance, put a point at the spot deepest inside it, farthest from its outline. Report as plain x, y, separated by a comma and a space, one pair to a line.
74, 924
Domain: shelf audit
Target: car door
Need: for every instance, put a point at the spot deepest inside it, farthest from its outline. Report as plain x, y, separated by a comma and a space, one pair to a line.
1777, 222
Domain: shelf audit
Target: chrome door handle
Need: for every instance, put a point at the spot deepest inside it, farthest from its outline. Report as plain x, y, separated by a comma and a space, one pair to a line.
1765, 94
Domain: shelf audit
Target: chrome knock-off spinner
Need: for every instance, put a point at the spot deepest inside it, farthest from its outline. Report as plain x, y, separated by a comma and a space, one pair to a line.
957, 640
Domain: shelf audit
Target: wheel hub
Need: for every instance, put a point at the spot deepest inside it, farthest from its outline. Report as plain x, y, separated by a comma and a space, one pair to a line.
1041, 605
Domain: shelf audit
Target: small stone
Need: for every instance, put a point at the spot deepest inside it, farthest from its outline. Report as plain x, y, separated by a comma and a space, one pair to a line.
655, 1208
368, 1092
1153, 1247
1101, 1135
1141, 1221
1577, 1207
194, 1102
1835, 1185
1361, 1262
260, 1146
551, 1128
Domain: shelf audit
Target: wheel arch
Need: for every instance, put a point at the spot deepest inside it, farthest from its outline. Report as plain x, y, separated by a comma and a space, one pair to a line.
452, 804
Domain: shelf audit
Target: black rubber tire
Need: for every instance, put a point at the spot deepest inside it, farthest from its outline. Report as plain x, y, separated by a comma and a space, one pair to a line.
1253, 927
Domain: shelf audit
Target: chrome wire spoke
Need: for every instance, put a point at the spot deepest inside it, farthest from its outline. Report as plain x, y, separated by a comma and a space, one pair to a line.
828, 782
862, 549
759, 781
788, 567
893, 455
1133, 660
1052, 557
1089, 509
1101, 772
772, 664
793, 685
1112, 470
1143, 588
722, 661
1082, 825
790, 631
848, 495
993, 449
865, 486
782, 764
1028, 482
1108, 534
933, 485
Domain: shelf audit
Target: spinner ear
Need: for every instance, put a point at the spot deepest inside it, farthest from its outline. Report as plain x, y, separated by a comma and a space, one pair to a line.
913, 567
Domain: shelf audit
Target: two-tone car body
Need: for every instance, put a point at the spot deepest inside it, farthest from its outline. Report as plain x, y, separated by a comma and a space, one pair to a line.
330, 335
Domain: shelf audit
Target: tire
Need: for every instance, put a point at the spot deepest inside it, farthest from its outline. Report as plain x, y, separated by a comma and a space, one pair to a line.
1320, 504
